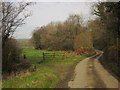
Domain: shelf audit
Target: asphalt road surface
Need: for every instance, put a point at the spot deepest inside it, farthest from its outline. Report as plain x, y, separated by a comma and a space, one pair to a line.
89, 73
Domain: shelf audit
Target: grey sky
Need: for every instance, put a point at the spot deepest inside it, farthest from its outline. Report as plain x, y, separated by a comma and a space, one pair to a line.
45, 12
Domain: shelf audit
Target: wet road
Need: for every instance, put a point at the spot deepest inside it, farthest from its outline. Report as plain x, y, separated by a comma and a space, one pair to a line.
89, 73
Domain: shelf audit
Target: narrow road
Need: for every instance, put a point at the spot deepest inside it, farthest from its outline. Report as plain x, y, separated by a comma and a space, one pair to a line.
89, 73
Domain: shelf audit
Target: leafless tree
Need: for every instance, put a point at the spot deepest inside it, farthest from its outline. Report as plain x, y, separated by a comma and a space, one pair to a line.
12, 15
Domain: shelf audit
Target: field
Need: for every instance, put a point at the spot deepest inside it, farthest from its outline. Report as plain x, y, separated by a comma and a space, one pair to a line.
47, 74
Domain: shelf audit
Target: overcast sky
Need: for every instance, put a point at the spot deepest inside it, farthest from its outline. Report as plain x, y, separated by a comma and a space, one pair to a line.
45, 12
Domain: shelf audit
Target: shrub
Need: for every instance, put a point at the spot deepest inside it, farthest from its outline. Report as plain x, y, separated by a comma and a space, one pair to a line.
85, 51
11, 60
112, 54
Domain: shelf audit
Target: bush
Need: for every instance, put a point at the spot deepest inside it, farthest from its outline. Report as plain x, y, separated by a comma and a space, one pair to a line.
85, 51
11, 60
113, 54
111, 59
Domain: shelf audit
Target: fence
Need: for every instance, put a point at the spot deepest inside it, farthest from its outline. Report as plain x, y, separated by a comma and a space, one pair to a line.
53, 56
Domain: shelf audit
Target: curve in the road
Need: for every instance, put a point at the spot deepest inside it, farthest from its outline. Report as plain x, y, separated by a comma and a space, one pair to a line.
89, 73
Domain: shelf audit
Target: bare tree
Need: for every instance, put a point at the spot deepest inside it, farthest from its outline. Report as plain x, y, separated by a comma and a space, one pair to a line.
12, 15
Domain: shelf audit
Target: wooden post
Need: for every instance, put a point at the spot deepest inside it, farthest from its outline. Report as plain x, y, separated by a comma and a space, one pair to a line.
24, 56
54, 56
43, 56
63, 56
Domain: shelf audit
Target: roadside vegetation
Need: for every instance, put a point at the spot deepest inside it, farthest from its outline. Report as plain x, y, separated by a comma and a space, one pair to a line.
46, 74
106, 34
23, 61
13, 16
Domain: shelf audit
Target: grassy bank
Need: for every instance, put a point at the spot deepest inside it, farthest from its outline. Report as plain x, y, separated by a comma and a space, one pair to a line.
48, 74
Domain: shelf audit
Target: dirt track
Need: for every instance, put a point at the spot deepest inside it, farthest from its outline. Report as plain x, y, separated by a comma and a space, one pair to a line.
89, 73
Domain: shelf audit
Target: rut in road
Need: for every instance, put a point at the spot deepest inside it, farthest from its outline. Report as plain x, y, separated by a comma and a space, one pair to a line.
93, 79
89, 73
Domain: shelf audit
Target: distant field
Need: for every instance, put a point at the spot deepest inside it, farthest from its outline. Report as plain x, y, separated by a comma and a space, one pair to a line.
24, 43
48, 74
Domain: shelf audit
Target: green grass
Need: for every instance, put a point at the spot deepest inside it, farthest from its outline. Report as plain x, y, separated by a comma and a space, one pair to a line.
48, 73
33, 55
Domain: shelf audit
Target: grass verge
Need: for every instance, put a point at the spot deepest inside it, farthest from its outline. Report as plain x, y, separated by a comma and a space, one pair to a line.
48, 74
